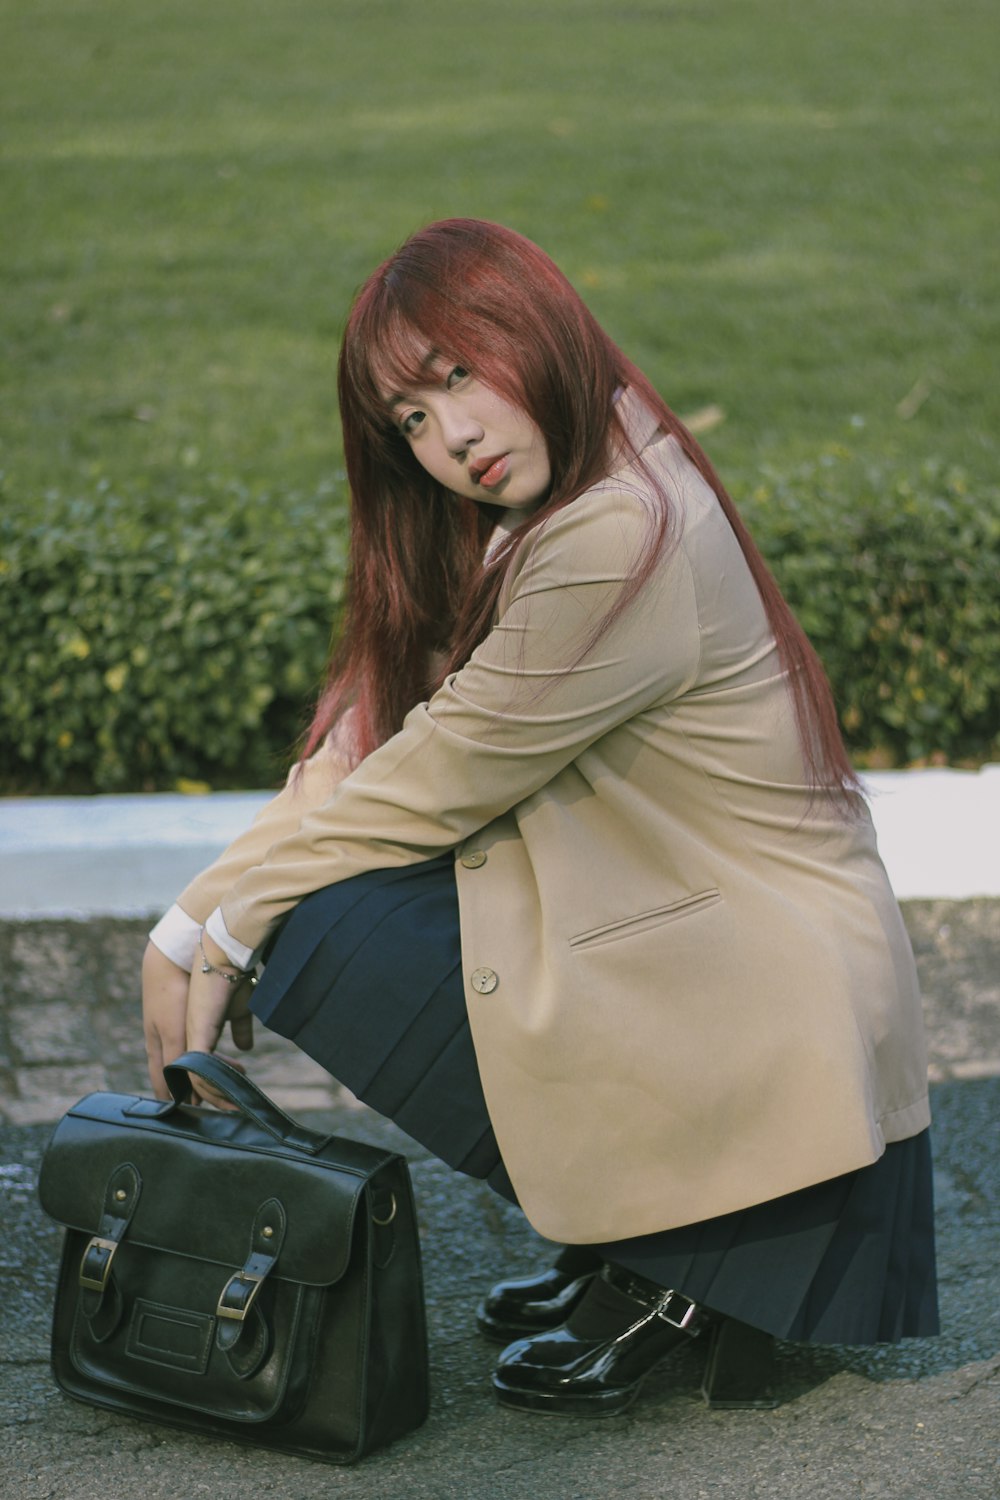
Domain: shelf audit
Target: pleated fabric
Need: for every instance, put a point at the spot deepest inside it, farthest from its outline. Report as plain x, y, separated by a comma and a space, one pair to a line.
366, 977
847, 1261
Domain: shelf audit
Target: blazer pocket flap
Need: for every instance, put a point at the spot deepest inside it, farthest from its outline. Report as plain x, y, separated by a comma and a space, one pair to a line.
644, 920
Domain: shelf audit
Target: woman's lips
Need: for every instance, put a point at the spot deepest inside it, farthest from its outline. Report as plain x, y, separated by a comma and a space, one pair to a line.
495, 470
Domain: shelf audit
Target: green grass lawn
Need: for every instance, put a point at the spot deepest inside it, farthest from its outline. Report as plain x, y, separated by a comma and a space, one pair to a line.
785, 209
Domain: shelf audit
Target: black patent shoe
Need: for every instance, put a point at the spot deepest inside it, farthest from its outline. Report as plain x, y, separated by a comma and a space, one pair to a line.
595, 1364
740, 1370
531, 1304
621, 1331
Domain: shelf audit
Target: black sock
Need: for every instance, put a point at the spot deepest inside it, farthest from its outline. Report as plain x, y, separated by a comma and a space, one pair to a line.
604, 1312
578, 1260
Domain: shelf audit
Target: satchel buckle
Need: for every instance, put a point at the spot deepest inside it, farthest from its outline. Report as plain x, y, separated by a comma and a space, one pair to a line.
236, 1287
97, 1280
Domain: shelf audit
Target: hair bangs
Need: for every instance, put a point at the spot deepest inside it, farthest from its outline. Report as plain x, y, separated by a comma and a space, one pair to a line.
384, 353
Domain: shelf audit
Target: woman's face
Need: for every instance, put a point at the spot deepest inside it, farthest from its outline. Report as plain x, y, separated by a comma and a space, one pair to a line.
470, 439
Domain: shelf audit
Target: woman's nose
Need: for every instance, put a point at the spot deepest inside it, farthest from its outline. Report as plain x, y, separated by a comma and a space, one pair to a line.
460, 430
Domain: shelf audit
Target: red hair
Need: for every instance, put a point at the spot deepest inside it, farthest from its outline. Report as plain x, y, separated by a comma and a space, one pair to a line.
492, 301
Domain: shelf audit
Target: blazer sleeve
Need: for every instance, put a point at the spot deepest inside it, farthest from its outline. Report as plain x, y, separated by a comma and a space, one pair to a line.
531, 698
309, 785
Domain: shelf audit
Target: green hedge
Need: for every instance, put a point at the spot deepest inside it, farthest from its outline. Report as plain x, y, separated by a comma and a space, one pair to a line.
150, 642
896, 579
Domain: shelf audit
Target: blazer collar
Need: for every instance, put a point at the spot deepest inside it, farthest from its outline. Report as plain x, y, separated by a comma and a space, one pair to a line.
641, 426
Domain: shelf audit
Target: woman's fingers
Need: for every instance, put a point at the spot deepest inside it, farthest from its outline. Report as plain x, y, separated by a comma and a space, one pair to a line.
212, 1002
203, 1092
164, 1011
188, 1013
241, 1030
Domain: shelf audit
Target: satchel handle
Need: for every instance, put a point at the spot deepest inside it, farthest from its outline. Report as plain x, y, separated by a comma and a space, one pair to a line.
248, 1098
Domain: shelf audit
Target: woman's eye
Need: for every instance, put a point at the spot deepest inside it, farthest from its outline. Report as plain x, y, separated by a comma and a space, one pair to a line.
410, 423
456, 376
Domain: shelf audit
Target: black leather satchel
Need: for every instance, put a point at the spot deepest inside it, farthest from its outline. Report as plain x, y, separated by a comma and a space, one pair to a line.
235, 1273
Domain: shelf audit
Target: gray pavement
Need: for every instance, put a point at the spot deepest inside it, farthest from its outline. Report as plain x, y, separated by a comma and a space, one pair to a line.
897, 1423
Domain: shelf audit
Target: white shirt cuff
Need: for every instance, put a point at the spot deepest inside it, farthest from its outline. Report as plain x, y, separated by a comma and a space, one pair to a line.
176, 935
239, 955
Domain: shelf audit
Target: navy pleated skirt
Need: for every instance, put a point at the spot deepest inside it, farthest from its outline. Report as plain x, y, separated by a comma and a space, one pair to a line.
366, 977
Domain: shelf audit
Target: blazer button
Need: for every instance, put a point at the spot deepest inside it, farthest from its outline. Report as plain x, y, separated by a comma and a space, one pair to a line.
474, 859
484, 981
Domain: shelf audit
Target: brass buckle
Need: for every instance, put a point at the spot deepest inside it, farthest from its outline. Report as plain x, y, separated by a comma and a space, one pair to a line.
239, 1313
97, 1283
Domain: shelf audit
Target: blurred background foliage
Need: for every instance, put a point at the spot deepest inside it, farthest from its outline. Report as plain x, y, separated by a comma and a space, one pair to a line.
785, 212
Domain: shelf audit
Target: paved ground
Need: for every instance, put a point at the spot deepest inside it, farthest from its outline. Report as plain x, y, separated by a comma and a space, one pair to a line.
917, 1422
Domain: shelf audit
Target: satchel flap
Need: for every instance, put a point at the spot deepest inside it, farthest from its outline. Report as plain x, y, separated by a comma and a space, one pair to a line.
203, 1176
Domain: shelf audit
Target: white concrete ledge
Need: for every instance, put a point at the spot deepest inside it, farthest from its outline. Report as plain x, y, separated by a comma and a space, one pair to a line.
938, 832
111, 855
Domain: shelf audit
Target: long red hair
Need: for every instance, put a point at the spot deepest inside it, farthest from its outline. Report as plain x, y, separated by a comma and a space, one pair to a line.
418, 591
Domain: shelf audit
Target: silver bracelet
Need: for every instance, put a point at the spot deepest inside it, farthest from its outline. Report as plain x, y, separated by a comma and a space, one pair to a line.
207, 967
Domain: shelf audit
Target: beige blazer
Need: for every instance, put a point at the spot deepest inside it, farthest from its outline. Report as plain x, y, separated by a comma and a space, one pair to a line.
689, 984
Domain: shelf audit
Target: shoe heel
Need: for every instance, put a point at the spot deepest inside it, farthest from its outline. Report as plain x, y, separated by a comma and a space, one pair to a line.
740, 1371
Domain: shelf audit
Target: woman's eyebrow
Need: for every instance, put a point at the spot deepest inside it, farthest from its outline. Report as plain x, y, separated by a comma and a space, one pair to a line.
396, 398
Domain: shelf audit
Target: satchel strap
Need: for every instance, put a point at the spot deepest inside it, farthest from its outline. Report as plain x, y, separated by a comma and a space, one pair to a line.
120, 1199
247, 1097
100, 1300
241, 1331
266, 1238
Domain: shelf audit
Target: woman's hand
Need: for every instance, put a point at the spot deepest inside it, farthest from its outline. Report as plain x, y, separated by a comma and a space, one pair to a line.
183, 1013
164, 1013
211, 1002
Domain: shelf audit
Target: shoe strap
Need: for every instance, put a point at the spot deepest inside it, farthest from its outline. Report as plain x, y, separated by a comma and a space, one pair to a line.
673, 1307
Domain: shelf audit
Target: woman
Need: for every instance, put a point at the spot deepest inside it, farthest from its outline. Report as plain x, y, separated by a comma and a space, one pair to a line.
582, 890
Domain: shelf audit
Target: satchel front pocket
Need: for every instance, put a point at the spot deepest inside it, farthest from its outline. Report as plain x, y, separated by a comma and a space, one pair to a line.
611, 932
164, 1356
